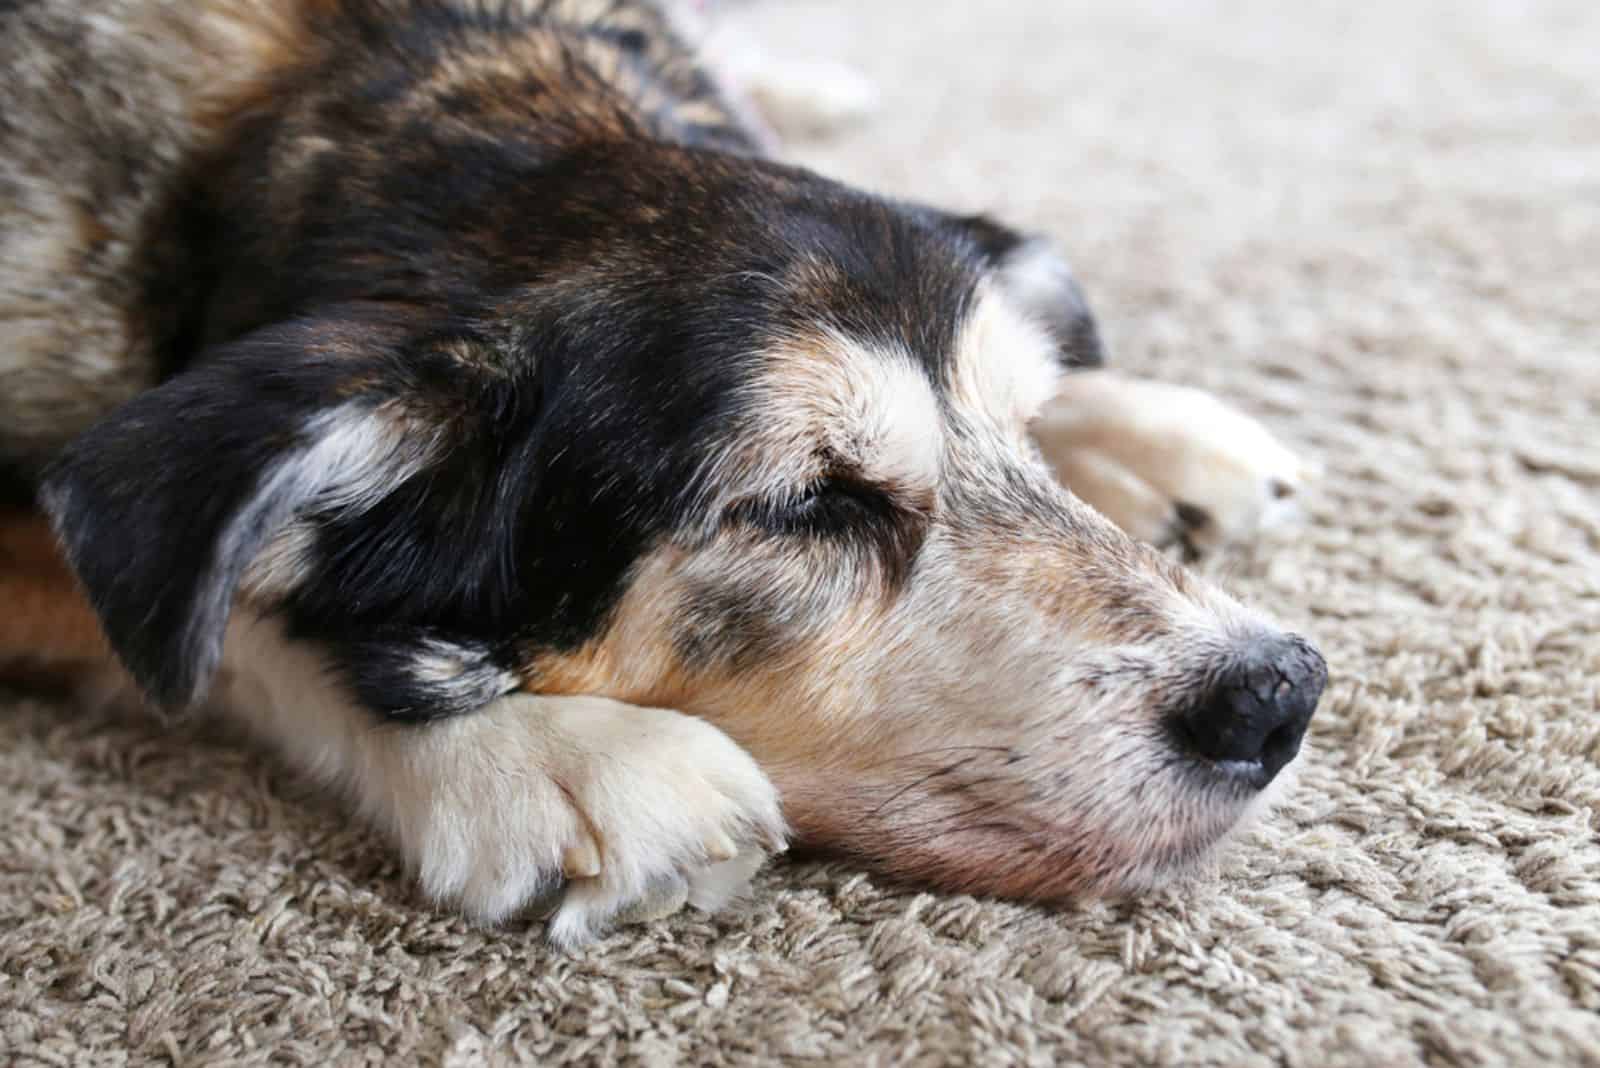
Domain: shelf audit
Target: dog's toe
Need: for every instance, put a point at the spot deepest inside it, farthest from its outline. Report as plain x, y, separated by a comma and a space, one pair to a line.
1185, 531
623, 813
1171, 465
682, 815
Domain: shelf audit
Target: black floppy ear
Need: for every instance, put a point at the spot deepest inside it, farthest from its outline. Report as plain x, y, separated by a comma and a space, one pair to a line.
162, 505
1033, 271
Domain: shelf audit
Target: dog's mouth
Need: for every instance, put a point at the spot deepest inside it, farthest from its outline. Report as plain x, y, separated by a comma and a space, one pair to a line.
1248, 775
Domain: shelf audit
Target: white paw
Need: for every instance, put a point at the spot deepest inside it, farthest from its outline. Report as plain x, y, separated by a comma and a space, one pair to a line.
627, 812
794, 97
1170, 464
811, 99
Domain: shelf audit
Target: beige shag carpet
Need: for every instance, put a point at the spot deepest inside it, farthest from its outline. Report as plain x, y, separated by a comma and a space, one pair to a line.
1375, 225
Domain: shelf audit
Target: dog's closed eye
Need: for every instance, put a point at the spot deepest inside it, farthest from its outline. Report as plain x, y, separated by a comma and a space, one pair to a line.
829, 505
845, 512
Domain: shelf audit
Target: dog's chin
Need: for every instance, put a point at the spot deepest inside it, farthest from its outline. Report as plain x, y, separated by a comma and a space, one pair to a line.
1230, 802
1008, 844
1137, 850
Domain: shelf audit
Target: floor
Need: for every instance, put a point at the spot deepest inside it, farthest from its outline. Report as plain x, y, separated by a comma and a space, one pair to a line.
1377, 227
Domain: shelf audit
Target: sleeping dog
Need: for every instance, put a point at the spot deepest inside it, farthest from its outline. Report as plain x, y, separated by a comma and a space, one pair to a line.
458, 394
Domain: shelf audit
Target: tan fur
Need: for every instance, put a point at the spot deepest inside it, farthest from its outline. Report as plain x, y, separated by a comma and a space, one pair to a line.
825, 399
47, 624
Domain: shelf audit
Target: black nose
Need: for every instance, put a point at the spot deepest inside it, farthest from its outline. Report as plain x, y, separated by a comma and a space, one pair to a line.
1257, 712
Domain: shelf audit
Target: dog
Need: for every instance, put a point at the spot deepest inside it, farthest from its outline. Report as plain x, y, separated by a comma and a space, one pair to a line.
460, 395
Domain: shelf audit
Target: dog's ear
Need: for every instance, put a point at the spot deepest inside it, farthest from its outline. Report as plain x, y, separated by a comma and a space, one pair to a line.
162, 506
1035, 274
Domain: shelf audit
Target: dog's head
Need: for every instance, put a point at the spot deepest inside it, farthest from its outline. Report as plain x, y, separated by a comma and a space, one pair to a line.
711, 434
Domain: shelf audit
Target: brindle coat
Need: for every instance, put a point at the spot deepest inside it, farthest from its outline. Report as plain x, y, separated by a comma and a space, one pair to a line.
474, 362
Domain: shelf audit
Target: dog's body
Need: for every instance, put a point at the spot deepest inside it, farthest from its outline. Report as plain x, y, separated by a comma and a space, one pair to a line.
462, 382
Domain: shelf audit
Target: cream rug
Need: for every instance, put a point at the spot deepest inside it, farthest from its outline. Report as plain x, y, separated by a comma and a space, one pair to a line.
1375, 225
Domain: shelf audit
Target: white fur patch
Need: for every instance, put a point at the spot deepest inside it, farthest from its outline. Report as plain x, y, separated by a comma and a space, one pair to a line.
357, 455
872, 410
488, 808
890, 410
1005, 363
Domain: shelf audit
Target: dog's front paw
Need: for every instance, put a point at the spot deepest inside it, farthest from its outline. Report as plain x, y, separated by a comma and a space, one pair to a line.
790, 98
1171, 465
812, 99
626, 813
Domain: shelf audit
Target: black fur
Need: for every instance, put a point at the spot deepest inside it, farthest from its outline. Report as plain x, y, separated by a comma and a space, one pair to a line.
162, 506
561, 286
412, 674
16, 489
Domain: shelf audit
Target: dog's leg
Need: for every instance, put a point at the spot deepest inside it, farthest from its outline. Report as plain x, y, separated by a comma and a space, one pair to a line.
802, 99
1126, 499
1169, 464
46, 624
789, 98
50, 640
630, 811
627, 812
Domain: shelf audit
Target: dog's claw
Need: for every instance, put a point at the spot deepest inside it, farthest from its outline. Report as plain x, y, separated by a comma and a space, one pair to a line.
581, 860
720, 847
666, 899
1187, 521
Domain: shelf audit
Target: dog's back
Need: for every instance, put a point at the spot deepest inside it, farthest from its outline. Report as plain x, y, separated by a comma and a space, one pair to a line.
109, 108
96, 120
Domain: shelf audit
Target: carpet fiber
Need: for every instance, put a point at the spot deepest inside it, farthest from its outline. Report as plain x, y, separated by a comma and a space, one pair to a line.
1377, 226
